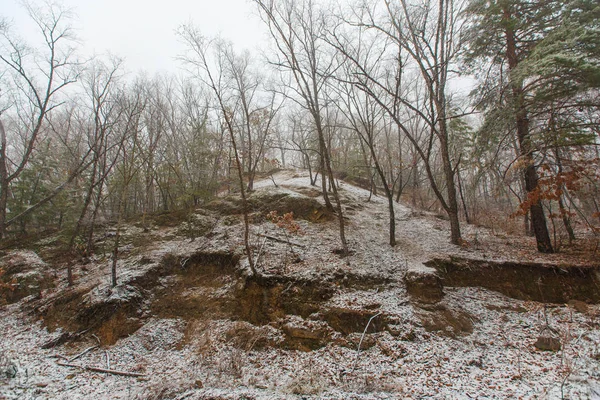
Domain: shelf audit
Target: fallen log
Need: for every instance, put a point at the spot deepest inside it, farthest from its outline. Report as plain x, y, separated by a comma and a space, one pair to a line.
103, 370
276, 239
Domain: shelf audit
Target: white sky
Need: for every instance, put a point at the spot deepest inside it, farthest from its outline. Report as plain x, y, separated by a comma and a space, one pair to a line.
143, 31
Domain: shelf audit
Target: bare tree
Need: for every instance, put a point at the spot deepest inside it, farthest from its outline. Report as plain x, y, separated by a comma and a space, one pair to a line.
365, 117
296, 29
301, 140
37, 79
129, 148
100, 80
214, 75
255, 116
195, 150
425, 35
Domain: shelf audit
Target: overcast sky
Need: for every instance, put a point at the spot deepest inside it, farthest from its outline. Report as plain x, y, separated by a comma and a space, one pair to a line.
143, 31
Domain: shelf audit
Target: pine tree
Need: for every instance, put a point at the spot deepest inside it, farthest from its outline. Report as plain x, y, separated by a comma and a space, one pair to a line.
502, 36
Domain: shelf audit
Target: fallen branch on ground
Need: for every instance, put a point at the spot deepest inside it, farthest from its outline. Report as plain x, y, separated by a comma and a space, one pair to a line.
97, 339
104, 370
82, 353
276, 239
59, 356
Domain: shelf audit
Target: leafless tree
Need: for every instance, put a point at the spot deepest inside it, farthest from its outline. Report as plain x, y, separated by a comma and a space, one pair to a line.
213, 74
423, 34
296, 28
99, 81
36, 78
365, 118
133, 104
257, 110
301, 140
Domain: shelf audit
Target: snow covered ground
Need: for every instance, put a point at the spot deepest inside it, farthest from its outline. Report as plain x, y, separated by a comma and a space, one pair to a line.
483, 347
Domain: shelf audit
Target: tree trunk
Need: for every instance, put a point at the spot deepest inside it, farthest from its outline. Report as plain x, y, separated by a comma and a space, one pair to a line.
390, 197
115, 255
326, 162
4, 181
415, 180
313, 181
86, 204
90, 233
3, 202
462, 198
103, 168
561, 204
538, 219
566, 220
452, 208
324, 177
389, 192
401, 166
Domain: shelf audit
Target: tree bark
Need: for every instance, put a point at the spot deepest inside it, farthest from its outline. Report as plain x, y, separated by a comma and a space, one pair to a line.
452, 208
462, 198
538, 219
561, 204
326, 160
4, 181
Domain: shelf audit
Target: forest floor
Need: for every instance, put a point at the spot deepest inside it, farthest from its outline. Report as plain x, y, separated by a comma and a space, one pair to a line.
189, 321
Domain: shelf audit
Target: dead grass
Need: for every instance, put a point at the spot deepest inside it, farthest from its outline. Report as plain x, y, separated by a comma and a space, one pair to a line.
247, 337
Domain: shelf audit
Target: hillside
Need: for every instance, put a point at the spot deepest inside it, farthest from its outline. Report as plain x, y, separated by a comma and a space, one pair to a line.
425, 319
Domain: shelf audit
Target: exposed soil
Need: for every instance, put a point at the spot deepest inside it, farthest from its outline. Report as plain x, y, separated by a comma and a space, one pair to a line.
208, 286
422, 320
524, 281
302, 203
